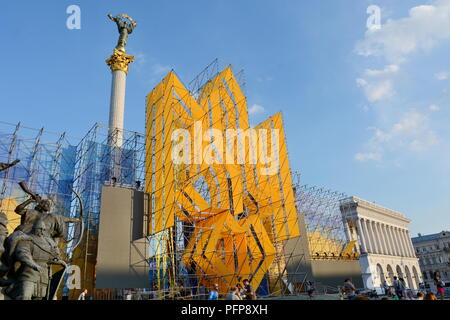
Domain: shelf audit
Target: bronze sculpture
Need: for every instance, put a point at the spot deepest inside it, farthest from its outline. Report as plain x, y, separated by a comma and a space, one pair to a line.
31, 250
56, 224
3, 235
36, 253
124, 27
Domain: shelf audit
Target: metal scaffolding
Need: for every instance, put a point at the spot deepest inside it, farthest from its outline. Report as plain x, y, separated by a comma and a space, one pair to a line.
47, 163
100, 162
208, 223
51, 164
320, 209
215, 223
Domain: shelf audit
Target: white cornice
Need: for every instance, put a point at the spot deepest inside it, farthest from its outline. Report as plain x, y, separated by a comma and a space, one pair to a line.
375, 207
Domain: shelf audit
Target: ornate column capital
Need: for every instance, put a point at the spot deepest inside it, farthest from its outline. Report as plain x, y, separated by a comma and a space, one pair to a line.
119, 61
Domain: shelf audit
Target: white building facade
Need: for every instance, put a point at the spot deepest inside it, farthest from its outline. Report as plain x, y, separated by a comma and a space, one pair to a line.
383, 242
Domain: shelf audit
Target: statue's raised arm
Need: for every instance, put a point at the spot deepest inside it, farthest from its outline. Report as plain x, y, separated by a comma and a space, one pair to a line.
4, 166
125, 26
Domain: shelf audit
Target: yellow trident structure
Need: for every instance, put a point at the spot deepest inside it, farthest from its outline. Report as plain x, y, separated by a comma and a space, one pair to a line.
226, 187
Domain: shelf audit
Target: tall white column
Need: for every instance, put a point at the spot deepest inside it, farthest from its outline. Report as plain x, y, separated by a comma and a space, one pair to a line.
118, 63
360, 233
117, 107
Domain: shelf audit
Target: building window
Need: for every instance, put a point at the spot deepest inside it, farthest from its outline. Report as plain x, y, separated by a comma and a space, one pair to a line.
425, 276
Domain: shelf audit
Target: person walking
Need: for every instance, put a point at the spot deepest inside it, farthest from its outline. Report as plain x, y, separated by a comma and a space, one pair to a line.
83, 294
310, 289
249, 292
440, 285
397, 287
214, 293
349, 289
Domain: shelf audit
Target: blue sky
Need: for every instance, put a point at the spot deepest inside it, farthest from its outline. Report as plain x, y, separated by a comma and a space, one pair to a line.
366, 112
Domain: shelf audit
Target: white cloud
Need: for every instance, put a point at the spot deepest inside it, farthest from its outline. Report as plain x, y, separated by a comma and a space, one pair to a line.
411, 133
422, 30
378, 84
159, 69
376, 90
442, 75
264, 79
368, 156
255, 109
361, 82
390, 69
434, 107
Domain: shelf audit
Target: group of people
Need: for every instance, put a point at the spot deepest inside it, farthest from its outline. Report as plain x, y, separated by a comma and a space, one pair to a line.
410, 296
399, 291
237, 292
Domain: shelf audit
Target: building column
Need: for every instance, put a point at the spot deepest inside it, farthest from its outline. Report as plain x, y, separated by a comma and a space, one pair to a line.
369, 245
376, 246
382, 238
410, 244
405, 243
347, 230
400, 242
387, 240
379, 238
118, 63
360, 234
393, 244
368, 237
